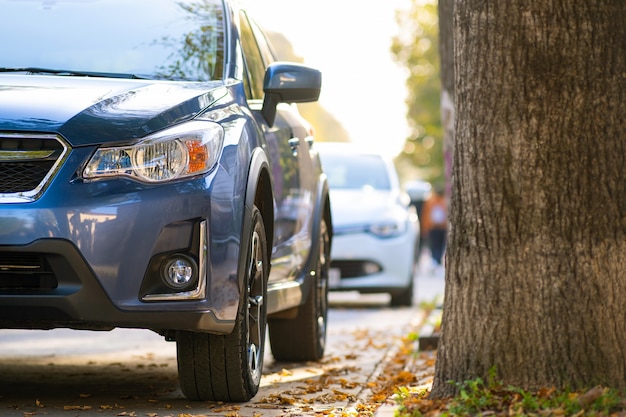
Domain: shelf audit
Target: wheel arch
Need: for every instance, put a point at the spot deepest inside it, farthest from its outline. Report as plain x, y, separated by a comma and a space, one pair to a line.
322, 207
259, 193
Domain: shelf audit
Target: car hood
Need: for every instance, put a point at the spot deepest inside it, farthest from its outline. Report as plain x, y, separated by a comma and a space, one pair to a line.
89, 110
361, 207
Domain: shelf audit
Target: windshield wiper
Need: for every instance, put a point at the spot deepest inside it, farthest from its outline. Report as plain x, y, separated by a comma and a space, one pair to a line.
37, 70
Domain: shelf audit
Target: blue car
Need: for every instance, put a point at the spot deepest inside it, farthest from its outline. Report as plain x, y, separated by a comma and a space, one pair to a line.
155, 174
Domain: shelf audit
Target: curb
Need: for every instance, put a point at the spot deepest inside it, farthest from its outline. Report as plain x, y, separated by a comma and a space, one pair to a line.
427, 341
429, 333
416, 322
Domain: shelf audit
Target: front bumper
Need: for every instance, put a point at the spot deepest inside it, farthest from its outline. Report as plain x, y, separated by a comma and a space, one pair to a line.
70, 296
365, 263
98, 247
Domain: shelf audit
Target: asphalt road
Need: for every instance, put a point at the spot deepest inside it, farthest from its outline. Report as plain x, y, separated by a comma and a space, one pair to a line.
133, 372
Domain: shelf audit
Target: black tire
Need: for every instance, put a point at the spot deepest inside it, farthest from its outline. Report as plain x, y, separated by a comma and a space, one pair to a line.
303, 338
404, 297
228, 367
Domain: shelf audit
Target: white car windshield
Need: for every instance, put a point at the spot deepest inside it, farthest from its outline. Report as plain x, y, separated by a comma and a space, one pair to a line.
356, 171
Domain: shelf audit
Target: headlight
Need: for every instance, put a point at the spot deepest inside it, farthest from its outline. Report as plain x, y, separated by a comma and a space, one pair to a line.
390, 229
182, 151
391, 224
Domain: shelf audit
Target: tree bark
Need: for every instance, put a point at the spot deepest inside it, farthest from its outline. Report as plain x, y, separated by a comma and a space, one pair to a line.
536, 262
445, 9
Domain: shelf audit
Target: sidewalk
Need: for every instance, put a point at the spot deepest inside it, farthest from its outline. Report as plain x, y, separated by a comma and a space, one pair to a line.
420, 362
358, 385
420, 365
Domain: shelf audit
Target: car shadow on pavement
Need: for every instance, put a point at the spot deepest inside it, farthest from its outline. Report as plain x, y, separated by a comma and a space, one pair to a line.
65, 383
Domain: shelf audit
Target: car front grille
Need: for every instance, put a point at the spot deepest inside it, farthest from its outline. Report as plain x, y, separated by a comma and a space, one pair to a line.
27, 164
25, 272
356, 268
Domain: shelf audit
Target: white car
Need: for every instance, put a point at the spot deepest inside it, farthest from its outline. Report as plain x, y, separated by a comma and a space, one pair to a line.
375, 228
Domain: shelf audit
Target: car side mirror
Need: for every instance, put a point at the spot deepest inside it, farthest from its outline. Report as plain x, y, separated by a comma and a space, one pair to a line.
287, 82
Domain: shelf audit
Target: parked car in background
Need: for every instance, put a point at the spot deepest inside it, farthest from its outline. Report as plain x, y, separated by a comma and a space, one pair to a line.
375, 228
153, 174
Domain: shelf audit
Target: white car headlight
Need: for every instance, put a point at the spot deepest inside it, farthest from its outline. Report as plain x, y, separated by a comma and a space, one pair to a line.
388, 229
182, 151
394, 222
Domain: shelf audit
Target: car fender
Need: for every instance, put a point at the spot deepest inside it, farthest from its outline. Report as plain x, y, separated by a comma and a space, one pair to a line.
259, 192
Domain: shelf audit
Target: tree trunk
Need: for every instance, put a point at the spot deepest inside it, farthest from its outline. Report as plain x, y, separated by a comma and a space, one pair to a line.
536, 265
445, 9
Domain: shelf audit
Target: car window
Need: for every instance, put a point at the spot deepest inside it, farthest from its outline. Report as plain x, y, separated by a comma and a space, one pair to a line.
163, 39
356, 171
264, 46
254, 60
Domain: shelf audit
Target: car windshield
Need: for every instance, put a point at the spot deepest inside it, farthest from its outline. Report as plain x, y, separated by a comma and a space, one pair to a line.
356, 171
158, 39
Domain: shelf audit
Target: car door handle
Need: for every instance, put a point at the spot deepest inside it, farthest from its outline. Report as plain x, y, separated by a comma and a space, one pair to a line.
294, 143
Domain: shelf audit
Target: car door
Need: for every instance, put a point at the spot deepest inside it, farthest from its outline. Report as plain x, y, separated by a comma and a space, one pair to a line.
294, 179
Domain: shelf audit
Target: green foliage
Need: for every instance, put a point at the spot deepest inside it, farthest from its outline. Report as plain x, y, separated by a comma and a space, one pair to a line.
413, 336
429, 305
474, 396
479, 398
404, 397
416, 48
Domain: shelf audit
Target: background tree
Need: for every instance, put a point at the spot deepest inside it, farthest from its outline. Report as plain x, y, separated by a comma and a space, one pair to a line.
536, 263
416, 48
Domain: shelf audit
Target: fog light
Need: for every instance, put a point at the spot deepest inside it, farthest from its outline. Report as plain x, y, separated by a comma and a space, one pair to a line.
179, 272
370, 268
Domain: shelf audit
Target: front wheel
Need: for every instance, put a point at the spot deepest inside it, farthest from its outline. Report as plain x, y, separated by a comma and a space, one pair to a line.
303, 338
228, 367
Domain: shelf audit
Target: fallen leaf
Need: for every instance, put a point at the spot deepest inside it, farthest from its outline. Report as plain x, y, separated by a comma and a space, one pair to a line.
225, 408
590, 396
76, 407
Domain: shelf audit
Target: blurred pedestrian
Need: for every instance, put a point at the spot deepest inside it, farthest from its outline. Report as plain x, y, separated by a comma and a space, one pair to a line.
435, 224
